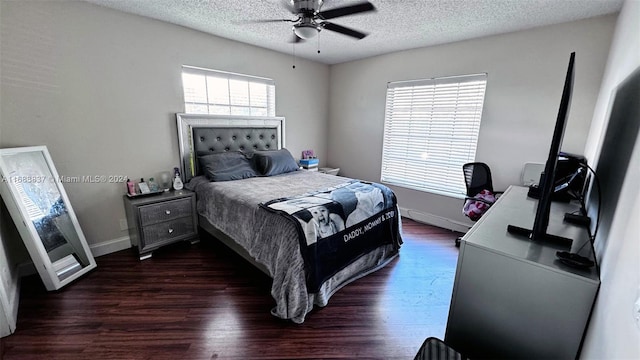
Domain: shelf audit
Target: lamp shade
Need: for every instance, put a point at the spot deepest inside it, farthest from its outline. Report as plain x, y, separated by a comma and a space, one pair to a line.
305, 31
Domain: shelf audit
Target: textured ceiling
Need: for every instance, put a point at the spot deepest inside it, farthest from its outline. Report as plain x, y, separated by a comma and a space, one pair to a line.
396, 25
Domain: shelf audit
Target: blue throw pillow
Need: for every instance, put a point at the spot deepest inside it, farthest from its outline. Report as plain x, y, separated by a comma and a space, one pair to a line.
226, 166
274, 162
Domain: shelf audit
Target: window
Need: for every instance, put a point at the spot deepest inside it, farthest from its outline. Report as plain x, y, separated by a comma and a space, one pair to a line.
223, 93
431, 129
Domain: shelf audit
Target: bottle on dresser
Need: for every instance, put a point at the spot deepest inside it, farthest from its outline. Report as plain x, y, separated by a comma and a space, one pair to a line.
177, 181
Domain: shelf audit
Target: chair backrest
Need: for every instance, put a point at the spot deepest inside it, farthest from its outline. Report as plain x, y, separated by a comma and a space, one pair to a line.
477, 177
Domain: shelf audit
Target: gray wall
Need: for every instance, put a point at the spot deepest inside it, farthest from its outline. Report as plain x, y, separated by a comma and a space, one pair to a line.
526, 73
614, 333
101, 88
9, 283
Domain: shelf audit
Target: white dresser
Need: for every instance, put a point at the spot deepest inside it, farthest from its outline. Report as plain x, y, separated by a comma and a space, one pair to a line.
513, 298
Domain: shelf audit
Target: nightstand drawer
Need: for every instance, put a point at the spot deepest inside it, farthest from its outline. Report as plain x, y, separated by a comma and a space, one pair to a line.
169, 230
167, 210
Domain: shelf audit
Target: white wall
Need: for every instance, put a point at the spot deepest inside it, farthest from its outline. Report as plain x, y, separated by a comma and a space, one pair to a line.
9, 293
613, 333
101, 88
526, 73
9, 282
4, 322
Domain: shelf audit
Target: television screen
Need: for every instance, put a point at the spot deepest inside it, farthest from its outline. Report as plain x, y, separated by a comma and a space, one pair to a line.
547, 183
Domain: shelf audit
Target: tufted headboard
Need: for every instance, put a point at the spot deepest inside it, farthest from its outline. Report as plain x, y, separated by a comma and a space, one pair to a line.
207, 134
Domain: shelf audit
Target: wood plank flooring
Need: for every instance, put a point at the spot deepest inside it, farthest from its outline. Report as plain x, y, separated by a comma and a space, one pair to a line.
204, 302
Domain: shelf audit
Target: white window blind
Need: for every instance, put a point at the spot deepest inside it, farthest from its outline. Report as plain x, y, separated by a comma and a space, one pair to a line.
431, 129
223, 93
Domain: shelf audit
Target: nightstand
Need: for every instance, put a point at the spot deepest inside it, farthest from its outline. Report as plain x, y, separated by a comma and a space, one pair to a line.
330, 171
158, 220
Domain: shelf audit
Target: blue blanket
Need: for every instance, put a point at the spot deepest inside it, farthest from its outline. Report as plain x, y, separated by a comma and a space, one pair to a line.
339, 224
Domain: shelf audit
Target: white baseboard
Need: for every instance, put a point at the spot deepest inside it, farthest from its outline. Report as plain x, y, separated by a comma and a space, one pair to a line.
435, 220
110, 246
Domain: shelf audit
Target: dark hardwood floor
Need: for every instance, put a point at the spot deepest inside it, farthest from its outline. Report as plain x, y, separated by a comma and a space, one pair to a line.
204, 302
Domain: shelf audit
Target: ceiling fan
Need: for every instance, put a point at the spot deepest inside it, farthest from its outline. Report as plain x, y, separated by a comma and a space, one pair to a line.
310, 19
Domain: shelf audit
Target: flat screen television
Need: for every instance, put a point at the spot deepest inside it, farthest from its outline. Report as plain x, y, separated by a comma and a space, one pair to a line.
547, 178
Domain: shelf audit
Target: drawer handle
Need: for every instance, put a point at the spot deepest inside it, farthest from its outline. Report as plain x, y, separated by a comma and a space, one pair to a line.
168, 212
170, 230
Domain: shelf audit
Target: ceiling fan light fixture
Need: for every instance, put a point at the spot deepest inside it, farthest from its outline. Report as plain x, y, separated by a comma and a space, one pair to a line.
305, 31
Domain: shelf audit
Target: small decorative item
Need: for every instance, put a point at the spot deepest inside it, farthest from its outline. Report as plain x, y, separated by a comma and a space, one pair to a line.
309, 164
131, 187
308, 161
144, 188
177, 182
308, 154
153, 185
165, 180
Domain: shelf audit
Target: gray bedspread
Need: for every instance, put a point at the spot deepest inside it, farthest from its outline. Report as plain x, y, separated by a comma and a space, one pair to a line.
233, 208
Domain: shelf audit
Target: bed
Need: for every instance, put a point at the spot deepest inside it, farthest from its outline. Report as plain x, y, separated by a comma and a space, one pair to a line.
303, 229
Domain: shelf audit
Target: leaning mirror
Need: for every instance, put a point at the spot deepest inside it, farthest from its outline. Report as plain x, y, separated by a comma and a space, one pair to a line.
43, 215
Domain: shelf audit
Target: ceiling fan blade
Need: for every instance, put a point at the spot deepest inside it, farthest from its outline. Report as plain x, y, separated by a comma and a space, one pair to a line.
347, 10
343, 30
268, 21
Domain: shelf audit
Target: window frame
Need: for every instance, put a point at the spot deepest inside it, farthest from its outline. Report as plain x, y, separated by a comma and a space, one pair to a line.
251, 80
434, 104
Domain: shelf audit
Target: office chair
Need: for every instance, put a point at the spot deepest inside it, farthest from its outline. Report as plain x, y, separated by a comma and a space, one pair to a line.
436, 349
480, 194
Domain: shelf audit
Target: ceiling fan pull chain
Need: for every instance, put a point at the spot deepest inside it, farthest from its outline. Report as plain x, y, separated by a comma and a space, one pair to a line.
293, 46
318, 42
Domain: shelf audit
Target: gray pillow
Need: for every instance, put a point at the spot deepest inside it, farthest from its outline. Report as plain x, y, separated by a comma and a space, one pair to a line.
274, 162
226, 166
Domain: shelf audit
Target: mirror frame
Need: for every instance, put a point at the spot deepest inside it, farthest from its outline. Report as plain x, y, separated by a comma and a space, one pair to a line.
27, 230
